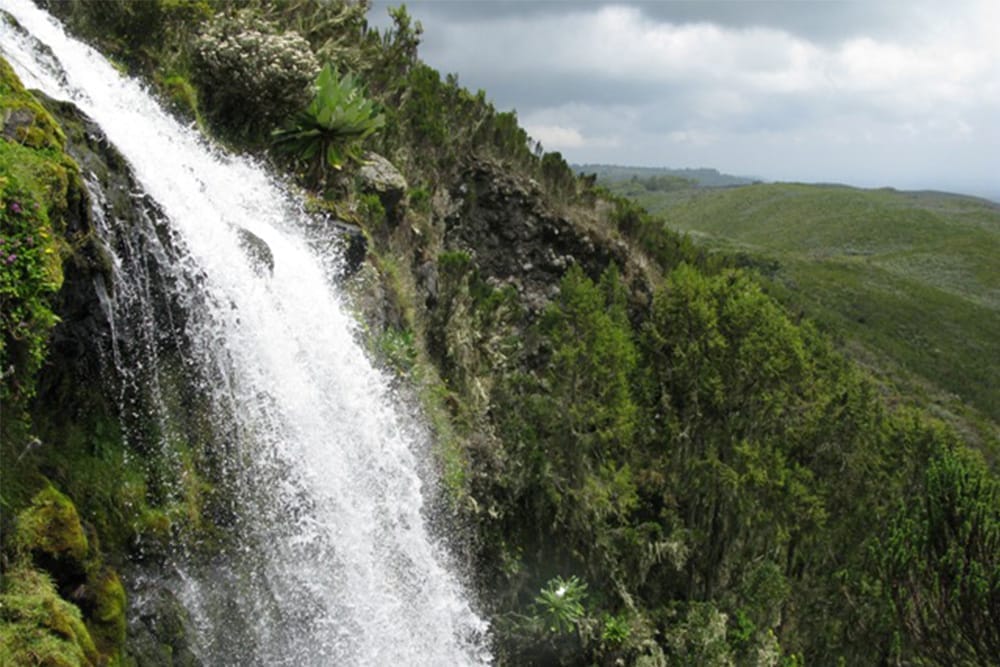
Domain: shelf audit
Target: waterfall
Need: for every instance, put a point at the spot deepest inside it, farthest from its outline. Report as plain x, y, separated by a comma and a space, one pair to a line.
336, 564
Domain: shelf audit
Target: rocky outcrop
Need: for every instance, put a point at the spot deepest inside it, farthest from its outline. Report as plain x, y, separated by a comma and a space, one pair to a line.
159, 628
515, 239
380, 177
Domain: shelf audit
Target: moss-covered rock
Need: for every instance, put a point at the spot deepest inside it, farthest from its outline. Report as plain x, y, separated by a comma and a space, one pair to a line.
55, 557
37, 187
106, 619
37, 627
51, 533
159, 630
25, 121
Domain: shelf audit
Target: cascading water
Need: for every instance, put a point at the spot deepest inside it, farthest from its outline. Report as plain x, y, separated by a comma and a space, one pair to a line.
336, 564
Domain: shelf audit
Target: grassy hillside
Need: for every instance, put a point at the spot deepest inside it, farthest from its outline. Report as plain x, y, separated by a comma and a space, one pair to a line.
914, 277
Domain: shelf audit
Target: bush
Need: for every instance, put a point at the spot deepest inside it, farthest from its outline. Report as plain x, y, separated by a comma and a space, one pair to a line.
250, 76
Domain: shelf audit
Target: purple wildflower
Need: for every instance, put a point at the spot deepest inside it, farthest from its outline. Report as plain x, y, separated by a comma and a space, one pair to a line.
11, 259
15, 206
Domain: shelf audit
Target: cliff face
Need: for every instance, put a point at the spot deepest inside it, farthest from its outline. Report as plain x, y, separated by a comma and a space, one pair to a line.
62, 595
81, 513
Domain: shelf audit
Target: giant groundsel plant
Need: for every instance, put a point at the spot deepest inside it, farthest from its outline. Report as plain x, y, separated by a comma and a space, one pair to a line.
330, 130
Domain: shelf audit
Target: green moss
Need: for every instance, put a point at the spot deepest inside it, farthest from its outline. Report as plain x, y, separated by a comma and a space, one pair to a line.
420, 200
87, 458
181, 97
107, 620
37, 627
51, 527
454, 261
371, 211
49, 536
24, 119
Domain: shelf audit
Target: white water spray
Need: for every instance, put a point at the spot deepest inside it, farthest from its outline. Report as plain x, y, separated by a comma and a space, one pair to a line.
340, 568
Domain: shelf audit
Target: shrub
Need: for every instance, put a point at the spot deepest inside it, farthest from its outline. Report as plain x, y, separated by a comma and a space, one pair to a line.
560, 604
251, 76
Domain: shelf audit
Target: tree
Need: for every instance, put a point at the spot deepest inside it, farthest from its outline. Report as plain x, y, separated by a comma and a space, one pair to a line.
942, 562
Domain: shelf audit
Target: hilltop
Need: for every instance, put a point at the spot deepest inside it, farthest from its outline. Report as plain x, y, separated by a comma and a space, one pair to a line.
654, 178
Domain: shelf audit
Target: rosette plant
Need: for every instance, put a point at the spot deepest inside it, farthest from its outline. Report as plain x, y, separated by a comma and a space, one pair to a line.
330, 130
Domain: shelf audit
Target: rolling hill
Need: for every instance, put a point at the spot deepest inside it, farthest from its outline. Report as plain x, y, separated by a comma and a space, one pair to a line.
909, 282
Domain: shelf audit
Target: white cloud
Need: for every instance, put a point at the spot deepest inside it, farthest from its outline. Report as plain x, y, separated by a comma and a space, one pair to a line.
555, 136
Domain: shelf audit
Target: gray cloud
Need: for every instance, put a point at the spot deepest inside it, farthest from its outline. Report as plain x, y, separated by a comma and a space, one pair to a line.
824, 20
864, 92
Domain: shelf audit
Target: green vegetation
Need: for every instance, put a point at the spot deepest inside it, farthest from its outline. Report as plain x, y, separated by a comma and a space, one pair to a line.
75, 500
907, 281
943, 557
38, 627
35, 176
332, 127
698, 468
250, 74
52, 561
658, 461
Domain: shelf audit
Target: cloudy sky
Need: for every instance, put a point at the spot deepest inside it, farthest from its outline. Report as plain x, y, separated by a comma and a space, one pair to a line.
895, 93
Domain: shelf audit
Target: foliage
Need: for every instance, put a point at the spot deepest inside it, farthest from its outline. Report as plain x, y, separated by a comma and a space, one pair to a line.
52, 557
30, 273
37, 627
700, 638
394, 52
730, 488
251, 75
333, 29
668, 250
396, 347
181, 97
50, 526
559, 604
35, 178
908, 278
420, 200
332, 127
139, 33
942, 562
557, 175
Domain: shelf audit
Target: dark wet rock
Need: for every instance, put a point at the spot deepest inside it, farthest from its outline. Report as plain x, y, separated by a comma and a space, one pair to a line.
159, 628
351, 243
257, 251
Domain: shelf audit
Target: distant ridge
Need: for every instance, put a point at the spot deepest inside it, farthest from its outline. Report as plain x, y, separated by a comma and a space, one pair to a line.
703, 177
